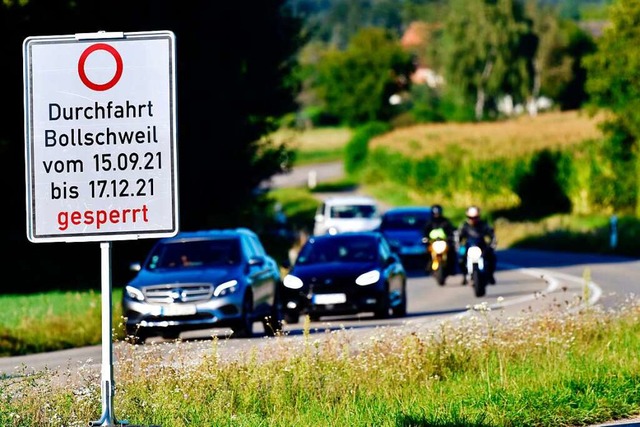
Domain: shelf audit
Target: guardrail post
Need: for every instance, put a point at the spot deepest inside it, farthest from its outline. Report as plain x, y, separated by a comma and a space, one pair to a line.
312, 179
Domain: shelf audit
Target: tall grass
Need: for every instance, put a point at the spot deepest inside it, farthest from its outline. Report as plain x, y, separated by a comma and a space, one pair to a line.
511, 138
559, 367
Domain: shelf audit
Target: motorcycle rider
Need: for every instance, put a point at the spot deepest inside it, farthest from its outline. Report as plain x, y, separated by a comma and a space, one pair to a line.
476, 227
438, 220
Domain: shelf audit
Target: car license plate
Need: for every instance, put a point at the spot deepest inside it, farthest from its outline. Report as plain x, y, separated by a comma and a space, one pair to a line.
177, 310
325, 299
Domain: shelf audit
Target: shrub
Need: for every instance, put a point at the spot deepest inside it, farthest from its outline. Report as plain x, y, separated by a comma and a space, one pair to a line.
357, 148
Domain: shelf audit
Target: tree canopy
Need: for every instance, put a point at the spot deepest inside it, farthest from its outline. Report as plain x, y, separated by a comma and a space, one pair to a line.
613, 85
613, 70
489, 50
355, 84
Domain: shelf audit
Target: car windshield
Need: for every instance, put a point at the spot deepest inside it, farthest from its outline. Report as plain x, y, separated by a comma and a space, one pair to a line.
353, 211
408, 221
338, 249
194, 253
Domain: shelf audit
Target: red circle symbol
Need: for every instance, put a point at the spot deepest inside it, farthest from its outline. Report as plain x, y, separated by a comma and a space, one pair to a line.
83, 59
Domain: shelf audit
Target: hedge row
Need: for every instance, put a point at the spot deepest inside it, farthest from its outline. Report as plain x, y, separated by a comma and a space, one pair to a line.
587, 178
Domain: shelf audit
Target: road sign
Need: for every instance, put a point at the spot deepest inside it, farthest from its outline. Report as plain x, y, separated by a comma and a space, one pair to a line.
100, 136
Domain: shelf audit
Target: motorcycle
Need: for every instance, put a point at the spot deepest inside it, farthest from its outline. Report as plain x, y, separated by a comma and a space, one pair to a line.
438, 249
476, 268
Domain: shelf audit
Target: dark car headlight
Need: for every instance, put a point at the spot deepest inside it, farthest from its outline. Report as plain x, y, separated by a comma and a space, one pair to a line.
226, 288
134, 293
368, 278
292, 282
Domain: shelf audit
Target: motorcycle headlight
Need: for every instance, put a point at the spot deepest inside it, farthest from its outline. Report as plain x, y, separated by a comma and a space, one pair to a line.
439, 246
292, 282
368, 278
474, 253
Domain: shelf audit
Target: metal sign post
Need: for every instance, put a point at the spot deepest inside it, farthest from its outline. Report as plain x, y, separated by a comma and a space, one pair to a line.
108, 417
100, 149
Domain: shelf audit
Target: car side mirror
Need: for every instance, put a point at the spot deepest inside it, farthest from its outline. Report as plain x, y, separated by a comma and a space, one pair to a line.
256, 260
135, 267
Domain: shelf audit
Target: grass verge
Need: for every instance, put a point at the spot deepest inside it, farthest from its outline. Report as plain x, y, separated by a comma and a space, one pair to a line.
52, 321
555, 368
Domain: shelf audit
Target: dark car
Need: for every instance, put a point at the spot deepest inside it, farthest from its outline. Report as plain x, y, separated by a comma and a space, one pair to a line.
345, 273
403, 227
200, 280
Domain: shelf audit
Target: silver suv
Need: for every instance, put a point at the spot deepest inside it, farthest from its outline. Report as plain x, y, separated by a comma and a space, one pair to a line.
200, 280
346, 213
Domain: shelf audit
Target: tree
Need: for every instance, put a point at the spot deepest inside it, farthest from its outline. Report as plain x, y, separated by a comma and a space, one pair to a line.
488, 47
335, 22
234, 60
355, 84
558, 71
613, 85
612, 71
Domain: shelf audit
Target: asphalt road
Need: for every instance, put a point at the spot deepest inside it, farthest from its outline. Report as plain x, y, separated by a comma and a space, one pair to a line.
309, 175
526, 280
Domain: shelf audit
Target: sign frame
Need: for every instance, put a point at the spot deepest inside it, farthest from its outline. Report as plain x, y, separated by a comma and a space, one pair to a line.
127, 190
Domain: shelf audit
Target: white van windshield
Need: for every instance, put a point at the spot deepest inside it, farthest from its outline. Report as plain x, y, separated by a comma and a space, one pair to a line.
353, 211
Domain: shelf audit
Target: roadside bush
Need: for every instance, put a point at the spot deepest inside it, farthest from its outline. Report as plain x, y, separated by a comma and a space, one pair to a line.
427, 104
316, 117
357, 148
614, 185
446, 175
397, 167
591, 177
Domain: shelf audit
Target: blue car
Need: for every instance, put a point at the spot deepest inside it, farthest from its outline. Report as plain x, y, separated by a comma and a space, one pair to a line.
345, 273
200, 280
403, 227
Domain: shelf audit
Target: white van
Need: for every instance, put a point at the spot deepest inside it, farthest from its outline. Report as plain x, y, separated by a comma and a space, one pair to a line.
349, 213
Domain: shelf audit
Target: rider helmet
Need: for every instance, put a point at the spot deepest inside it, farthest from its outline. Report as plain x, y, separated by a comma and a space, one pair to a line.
473, 213
436, 211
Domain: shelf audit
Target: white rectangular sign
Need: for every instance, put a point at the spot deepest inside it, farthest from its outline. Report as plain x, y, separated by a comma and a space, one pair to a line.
100, 136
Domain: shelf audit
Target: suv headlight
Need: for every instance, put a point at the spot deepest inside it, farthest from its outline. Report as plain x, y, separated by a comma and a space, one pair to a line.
134, 293
226, 288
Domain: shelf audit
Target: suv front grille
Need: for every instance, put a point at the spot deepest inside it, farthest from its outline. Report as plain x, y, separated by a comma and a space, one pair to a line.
178, 292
